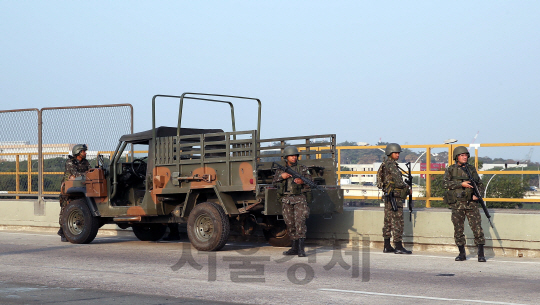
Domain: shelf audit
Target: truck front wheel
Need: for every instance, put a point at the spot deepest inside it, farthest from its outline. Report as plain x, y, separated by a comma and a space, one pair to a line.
78, 223
208, 227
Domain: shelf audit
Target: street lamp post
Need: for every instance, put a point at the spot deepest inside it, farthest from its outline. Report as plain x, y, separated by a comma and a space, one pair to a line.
485, 190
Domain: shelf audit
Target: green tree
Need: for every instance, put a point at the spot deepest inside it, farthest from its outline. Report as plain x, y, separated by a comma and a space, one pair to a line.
501, 186
505, 186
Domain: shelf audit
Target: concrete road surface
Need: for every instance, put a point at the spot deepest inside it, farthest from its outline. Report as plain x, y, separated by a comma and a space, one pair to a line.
36, 268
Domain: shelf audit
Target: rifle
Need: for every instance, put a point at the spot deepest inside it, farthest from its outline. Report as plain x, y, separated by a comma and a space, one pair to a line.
390, 195
476, 192
408, 181
293, 173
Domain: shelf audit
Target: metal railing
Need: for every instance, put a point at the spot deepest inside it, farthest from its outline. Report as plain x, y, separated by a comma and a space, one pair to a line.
429, 173
28, 159
21, 191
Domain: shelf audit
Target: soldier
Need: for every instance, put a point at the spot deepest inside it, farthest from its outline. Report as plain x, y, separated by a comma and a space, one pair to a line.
76, 166
390, 180
459, 196
294, 196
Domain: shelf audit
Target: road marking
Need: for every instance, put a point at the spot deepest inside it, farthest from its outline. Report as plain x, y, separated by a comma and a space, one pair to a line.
415, 296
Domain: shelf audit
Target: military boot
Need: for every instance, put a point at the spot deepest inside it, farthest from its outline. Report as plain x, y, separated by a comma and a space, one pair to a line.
293, 250
462, 256
62, 236
400, 250
387, 246
301, 251
481, 257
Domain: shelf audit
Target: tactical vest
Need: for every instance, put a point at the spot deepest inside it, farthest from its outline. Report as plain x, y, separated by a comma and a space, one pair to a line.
461, 194
389, 186
287, 187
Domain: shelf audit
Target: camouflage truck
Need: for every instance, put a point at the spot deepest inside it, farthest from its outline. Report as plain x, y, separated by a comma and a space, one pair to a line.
214, 181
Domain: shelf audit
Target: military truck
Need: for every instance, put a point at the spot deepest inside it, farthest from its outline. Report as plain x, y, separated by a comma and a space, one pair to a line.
215, 181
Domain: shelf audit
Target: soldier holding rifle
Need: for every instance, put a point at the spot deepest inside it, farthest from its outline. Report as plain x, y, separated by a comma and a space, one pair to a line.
294, 195
390, 180
463, 202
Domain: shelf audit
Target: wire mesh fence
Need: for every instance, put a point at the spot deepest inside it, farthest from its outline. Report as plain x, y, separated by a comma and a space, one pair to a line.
35, 144
18, 140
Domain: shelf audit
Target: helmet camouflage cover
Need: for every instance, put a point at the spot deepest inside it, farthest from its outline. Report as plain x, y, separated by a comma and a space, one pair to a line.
392, 148
78, 148
460, 150
290, 151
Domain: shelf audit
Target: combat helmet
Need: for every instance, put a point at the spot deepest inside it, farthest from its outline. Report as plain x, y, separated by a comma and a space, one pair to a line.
460, 150
78, 148
290, 151
392, 148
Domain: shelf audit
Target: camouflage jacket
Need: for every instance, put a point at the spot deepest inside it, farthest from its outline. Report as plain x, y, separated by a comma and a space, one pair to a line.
75, 168
287, 186
456, 196
389, 176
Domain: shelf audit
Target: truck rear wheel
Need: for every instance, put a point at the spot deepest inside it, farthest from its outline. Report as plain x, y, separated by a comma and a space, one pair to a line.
208, 227
277, 234
149, 231
78, 223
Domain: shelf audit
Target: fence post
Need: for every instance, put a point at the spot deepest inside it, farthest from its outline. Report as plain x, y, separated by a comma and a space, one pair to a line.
339, 165
29, 171
17, 183
428, 177
41, 203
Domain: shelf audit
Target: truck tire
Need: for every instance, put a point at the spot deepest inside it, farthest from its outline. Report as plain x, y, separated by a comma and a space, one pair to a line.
149, 231
208, 227
78, 223
277, 235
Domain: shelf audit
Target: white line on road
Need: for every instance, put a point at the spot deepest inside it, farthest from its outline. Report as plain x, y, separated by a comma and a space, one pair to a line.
415, 296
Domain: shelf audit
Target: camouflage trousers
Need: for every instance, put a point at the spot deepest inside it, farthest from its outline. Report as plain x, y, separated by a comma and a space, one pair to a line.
475, 222
295, 212
393, 221
63, 203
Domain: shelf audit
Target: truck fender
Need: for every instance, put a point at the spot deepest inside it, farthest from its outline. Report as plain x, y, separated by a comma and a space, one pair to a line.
89, 201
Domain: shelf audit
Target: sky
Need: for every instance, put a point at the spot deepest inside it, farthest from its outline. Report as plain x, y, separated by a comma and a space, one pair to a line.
411, 72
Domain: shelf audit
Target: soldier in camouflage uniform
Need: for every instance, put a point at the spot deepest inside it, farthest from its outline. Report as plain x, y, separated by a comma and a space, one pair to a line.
294, 195
459, 196
76, 166
390, 180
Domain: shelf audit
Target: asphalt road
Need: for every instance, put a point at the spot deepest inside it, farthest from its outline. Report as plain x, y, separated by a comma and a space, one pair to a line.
36, 268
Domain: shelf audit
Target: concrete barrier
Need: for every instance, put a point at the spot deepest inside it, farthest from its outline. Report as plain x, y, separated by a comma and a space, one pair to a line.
516, 232
24, 214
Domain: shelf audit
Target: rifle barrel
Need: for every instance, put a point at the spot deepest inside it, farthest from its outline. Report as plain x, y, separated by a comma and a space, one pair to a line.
476, 192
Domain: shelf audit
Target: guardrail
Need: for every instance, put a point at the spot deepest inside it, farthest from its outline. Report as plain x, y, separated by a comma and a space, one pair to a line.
27, 189
29, 158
